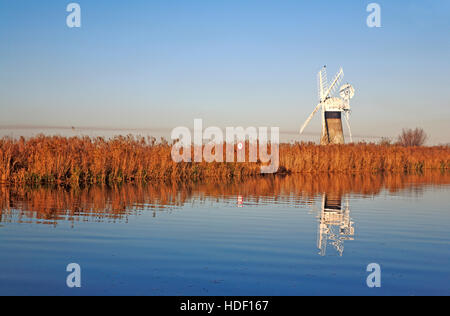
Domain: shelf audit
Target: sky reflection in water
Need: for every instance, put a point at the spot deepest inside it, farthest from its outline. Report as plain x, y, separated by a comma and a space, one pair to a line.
288, 235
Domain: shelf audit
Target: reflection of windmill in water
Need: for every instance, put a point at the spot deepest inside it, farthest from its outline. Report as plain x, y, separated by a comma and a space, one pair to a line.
335, 224
332, 108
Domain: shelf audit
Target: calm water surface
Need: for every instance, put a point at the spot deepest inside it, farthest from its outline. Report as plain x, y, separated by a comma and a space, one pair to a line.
270, 236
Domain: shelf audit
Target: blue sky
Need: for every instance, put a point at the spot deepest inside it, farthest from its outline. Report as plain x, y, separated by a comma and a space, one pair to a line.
160, 64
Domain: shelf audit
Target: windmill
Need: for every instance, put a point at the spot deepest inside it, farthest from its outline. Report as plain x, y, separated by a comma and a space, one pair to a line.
332, 108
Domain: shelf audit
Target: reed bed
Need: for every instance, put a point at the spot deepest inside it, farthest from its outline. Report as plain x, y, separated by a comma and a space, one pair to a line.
362, 157
85, 160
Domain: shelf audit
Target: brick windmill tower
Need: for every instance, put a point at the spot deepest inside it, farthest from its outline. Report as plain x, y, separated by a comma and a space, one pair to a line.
332, 108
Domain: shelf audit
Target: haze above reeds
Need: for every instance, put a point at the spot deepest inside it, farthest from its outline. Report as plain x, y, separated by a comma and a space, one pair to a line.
84, 160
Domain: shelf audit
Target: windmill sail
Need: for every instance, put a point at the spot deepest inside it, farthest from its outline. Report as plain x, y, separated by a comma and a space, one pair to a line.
322, 83
310, 118
338, 78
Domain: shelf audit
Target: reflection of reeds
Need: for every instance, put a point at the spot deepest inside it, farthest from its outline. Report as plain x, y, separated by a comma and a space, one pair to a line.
127, 159
115, 203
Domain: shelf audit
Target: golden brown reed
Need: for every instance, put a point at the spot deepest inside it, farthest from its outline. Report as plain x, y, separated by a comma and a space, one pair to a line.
362, 157
84, 160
